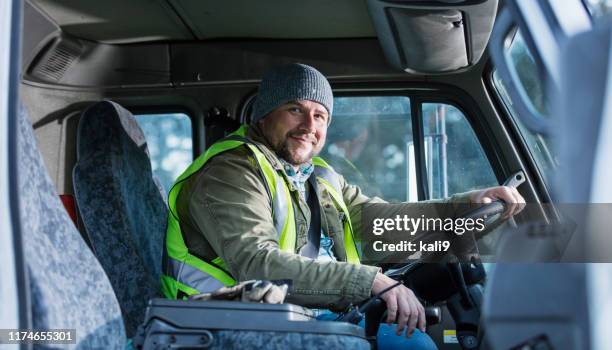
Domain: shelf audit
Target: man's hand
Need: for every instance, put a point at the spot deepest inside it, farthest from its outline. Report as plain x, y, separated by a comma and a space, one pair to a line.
402, 305
509, 195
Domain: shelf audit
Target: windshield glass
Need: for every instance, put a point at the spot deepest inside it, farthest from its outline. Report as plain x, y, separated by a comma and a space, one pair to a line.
538, 145
599, 8
529, 79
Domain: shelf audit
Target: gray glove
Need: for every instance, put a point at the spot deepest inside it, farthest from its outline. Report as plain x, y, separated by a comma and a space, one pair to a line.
261, 291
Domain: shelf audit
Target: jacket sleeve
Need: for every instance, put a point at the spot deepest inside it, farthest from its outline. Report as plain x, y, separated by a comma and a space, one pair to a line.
230, 206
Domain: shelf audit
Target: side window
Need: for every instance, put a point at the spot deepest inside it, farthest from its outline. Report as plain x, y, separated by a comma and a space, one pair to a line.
455, 161
170, 144
370, 143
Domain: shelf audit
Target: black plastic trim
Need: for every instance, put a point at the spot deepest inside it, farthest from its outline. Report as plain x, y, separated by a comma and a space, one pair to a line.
467, 33
418, 138
396, 37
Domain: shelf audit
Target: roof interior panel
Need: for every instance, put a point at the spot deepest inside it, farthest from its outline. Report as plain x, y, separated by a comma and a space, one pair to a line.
276, 19
116, 21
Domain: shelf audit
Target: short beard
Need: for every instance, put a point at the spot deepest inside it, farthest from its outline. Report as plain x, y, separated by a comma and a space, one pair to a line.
284, 153
283, 149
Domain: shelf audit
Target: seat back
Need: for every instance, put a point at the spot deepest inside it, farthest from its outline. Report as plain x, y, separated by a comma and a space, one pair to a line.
121, 206
68, 287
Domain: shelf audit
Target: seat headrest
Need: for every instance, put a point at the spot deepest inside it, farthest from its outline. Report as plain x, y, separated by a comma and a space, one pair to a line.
107, 124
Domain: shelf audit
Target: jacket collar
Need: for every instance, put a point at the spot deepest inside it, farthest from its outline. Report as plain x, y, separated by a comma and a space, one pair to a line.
255, 134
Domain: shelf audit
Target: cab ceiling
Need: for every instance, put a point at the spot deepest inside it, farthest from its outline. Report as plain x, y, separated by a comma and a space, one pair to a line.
120, 21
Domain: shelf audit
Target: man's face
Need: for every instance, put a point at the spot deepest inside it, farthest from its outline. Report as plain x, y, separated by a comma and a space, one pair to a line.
296, 130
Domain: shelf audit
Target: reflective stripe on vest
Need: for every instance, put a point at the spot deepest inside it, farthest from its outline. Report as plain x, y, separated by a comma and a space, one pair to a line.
330, 180
189, 274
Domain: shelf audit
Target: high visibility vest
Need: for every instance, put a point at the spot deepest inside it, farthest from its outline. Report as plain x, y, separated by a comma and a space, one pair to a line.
185, 274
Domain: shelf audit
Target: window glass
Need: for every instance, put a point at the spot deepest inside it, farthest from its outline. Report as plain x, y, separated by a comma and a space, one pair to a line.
539, 146
370, 143
454, 158
170, 144
528, 73
599, 8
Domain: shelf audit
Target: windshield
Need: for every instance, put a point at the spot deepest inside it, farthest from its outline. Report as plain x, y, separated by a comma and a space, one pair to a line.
599, 8
529, 78
538, 145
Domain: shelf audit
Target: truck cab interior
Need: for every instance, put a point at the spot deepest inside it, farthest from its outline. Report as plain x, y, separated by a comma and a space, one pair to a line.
118, 97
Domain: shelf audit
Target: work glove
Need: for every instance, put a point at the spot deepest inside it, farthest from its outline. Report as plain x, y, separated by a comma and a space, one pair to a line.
260, 291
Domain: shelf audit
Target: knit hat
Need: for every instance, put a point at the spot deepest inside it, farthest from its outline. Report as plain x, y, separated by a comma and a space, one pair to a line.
291, 82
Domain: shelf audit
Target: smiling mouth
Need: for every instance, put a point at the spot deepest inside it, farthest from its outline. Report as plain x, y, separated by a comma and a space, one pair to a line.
302, 140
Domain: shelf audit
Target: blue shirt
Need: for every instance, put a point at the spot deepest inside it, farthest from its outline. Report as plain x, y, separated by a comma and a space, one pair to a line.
298, 179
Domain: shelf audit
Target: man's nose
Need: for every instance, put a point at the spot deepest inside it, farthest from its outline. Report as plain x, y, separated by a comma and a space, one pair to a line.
308, 123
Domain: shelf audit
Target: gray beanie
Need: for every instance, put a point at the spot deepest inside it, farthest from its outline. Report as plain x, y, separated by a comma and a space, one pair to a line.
291, 82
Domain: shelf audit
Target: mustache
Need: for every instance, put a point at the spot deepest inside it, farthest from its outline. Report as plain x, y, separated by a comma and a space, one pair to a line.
301, 134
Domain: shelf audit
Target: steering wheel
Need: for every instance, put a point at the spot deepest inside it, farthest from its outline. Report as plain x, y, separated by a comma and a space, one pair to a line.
457, 284
491, 212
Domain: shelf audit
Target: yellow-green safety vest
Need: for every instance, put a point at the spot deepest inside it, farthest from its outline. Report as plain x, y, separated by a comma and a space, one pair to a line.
185, 274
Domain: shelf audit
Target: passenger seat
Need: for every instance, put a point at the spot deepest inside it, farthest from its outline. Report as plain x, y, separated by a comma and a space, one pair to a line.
68, 287
121, 206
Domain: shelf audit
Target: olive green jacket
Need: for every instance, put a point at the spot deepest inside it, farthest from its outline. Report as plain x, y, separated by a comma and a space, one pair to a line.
224, 210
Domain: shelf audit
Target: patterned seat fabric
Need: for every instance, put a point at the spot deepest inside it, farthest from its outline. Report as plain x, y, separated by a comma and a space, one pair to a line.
121, 205
68, 287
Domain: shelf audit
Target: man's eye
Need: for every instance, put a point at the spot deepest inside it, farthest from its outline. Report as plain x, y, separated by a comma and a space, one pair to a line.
294, 109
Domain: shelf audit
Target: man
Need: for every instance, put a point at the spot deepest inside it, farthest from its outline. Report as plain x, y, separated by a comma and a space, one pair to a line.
259, 205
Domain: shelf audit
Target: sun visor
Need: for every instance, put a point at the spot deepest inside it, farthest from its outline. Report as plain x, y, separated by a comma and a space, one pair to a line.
433, 36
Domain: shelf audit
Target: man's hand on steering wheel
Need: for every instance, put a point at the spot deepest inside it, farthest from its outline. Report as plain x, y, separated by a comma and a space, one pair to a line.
403, 306
509, 195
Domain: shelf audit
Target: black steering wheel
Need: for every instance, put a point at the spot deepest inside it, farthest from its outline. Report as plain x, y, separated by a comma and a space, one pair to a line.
457, 284
492, 213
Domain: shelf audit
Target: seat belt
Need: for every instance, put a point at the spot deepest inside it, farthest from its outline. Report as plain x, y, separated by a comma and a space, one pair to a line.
311, 249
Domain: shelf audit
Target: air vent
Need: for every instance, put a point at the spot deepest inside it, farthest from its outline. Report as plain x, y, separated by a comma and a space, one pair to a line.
54, 64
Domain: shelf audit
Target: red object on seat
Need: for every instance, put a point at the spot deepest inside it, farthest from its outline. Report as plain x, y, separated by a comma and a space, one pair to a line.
71, 208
